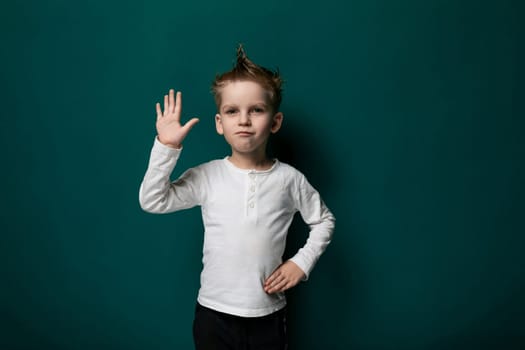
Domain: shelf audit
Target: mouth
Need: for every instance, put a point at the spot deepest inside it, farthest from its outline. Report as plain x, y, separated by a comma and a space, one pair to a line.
244, 133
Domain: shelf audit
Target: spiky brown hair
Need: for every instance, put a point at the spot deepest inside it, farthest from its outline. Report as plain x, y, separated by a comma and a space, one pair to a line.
245, 70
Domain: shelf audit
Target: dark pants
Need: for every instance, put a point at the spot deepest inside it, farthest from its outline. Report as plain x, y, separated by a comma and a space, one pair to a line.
213, 330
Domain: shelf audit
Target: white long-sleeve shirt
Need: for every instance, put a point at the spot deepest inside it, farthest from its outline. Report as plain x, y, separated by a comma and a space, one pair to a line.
246, 216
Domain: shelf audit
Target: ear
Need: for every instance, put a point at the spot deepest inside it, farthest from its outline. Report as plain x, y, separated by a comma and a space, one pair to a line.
277, 121
218, 124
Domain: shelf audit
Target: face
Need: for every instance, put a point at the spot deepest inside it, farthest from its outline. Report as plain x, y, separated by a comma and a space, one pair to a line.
246, 118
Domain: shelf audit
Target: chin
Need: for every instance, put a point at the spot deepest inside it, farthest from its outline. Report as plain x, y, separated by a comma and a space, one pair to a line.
244, 148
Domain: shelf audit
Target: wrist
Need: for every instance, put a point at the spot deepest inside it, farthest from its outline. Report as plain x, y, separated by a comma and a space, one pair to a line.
168, 144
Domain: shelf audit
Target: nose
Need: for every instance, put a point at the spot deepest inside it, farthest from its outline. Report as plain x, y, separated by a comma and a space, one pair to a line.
244, 118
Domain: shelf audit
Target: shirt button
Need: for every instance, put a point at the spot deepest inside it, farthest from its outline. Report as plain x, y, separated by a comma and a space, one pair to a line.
252, 205
252, 188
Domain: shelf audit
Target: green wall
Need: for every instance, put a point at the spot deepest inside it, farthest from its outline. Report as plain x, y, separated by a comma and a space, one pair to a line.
406, 115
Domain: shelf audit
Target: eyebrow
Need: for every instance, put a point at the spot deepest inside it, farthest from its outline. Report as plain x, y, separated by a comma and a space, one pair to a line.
256, 104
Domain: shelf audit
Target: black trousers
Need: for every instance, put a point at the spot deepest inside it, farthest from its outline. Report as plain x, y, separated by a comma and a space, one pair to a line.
213, 330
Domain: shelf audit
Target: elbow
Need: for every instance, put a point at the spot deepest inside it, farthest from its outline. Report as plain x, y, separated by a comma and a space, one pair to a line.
154, 204
330, 221
152, 207
330, 226
146, 205
149, 204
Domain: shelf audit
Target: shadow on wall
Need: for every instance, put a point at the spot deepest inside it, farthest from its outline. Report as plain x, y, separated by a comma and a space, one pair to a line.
299, 145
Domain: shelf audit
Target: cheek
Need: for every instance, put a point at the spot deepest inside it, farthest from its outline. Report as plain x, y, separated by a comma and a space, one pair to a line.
266, 125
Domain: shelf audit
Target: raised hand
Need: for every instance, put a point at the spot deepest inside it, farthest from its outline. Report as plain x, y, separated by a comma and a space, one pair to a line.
286, 276
169, 129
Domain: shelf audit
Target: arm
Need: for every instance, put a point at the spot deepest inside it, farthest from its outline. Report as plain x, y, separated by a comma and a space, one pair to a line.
321, 223
157, 194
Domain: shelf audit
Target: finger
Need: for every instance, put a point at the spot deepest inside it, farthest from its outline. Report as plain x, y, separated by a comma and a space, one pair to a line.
278, 280
166, 104
178, 105
272, 277
159, 111
279, 287
171, 100
287, 285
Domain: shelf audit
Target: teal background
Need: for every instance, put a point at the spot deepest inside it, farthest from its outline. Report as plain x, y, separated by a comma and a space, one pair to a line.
406, 115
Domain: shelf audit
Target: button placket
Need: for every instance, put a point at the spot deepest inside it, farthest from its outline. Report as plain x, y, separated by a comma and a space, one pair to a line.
252, 187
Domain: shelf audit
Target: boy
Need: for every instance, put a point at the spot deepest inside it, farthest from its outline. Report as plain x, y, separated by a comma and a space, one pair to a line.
248, 201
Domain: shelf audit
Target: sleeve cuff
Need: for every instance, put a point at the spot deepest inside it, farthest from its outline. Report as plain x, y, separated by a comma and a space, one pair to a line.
159, 147
299, 262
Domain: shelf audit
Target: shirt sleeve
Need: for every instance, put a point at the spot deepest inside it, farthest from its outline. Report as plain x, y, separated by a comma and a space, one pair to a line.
157, 193
319, 219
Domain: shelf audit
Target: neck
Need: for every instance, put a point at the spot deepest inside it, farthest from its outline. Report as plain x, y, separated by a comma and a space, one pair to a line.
251, 161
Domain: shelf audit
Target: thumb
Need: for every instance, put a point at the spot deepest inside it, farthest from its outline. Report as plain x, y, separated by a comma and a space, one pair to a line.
189, 124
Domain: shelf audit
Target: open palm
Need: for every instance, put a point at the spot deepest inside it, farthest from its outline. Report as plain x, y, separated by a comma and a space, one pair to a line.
169, 129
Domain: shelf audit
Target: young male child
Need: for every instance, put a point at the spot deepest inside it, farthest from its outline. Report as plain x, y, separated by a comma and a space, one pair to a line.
248, 201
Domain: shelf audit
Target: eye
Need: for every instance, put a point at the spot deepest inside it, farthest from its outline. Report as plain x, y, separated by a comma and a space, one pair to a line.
230, 111
257, 110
